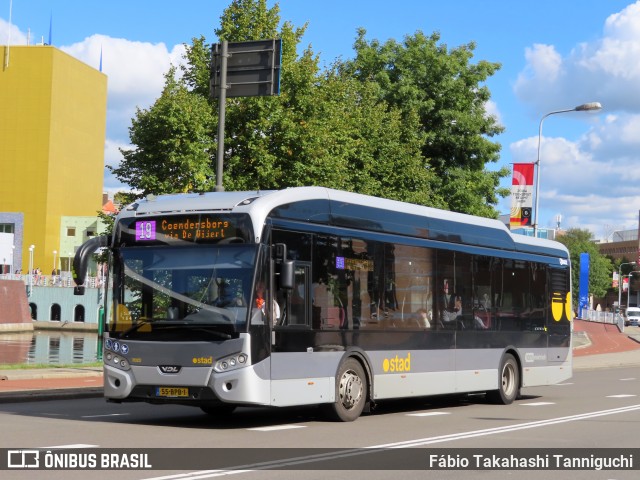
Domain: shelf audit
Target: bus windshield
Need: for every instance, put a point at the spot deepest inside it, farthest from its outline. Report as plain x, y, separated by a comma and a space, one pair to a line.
171, 287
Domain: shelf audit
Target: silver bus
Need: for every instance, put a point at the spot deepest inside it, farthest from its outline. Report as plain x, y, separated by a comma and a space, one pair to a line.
313, 296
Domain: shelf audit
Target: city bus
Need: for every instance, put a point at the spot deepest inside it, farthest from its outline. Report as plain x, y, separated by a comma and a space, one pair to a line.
313, 296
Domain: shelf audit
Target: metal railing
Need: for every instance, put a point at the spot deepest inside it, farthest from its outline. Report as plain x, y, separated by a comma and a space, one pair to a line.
62, 280
603, 317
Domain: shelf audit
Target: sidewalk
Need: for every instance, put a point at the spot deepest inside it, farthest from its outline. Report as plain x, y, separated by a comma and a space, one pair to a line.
595, 345
50, 384
599, 345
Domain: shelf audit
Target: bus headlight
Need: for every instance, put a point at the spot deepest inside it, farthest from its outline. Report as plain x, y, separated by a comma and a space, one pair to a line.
116, 361
231, 362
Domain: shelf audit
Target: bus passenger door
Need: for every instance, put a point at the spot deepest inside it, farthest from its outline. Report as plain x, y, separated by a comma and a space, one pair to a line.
297, 376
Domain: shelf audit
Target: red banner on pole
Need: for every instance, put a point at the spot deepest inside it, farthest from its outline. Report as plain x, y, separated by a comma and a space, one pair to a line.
521, 194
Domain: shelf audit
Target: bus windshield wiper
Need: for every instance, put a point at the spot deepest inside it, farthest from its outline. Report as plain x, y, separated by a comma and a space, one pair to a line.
135, 327
176, 323
208, 329
154, 321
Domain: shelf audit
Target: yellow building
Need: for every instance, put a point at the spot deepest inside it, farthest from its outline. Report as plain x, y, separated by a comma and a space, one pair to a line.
53, 117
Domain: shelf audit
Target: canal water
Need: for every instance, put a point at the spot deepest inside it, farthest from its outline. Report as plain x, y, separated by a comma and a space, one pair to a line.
49, 347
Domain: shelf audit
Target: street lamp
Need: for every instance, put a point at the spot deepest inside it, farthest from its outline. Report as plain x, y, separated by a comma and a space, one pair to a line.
54, 272
628, 287
585, 107
620, 282
31, 248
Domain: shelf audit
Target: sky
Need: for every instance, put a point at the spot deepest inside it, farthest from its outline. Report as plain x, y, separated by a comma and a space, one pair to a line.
554, 55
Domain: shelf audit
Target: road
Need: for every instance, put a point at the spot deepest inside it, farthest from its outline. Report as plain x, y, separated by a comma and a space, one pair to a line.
595, 409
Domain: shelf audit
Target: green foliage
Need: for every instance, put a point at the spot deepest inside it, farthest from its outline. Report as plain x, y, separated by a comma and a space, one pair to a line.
196, 72
424, 79
580, 241
245, 20
401, 120
123, 198
173, 142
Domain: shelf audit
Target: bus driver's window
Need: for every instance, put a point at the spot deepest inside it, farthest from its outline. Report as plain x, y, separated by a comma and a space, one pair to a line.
261, 303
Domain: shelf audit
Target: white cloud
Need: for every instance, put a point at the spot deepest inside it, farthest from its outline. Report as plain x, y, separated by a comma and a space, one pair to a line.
135, 78
112, 155
625, 24
492, 110
135, 74
606, 70
10, 34
592, 180
544, 60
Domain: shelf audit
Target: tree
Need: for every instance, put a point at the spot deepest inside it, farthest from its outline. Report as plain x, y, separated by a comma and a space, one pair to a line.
423, 79
323, 129
173, 142
419, 136
580, 241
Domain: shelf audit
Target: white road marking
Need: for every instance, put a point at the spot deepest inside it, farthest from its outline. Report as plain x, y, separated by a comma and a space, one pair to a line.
351, 452
622, 395
77, 445
107, 415
274, 428
536, 404
427, 414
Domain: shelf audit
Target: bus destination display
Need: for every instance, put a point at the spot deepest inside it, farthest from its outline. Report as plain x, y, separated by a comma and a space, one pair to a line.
184, 228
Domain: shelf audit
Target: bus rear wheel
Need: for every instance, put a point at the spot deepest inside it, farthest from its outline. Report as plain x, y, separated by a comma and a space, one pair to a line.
351, 392
508, 382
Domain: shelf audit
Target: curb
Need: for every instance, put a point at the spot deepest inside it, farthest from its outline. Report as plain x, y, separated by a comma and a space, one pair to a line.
580, 340
602, 364
56, 394
47, 373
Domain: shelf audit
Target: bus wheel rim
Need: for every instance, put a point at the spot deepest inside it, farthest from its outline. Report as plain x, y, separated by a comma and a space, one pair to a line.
350, 389
508, 379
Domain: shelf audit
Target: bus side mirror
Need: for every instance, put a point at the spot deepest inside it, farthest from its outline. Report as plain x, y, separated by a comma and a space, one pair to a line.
81, 259
287, 274
280, 252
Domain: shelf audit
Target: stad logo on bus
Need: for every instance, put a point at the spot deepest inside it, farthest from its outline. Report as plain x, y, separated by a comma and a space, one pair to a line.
397, 364
561, 304
202, 360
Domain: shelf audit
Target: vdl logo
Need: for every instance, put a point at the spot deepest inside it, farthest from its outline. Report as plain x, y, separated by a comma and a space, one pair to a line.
23, 459
170, 368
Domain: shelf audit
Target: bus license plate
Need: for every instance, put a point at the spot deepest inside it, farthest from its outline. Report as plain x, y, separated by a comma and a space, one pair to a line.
172, 392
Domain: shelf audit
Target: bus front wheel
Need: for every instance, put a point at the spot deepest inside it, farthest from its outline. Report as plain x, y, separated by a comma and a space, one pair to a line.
508, 382
351, 392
